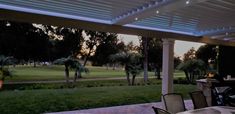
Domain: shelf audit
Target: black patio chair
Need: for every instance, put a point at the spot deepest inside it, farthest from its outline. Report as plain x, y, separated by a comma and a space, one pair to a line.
199, 100
174, 102
160, 111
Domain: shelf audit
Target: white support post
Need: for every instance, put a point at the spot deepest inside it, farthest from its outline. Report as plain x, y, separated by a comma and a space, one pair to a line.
167, 66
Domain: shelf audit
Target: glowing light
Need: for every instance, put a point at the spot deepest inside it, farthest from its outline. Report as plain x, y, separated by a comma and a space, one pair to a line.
187, 2
157, 12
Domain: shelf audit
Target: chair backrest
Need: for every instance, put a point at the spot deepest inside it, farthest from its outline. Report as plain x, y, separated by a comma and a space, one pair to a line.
160, 111
199, 100
174, 102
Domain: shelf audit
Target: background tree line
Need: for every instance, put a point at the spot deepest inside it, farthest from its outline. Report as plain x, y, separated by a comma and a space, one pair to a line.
36, 42
32, 42
28, 42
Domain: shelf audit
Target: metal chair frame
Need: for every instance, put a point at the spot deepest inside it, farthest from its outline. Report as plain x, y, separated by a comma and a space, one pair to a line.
196, 106
178, 94
160, 111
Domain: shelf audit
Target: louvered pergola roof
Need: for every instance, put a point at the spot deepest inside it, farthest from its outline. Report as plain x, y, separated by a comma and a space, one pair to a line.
207, 21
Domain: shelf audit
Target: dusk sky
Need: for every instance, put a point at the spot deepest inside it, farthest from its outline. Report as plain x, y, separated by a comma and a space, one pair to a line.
181, 47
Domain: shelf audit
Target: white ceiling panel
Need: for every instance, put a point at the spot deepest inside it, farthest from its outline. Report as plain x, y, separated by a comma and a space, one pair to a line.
210, 18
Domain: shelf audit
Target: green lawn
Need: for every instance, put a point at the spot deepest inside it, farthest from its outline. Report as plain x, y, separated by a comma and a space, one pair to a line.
29, 73
51, 100
52, 97
38, 73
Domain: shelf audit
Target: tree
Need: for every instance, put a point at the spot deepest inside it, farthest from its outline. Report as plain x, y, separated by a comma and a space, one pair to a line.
177, 61
4, 72
206, 53
92, 41
71, 62
190, 54
131, 62
24, 41
192, 66
79, 68
145, 53
131, 47
68, 41
108, 46
155, 55
193, 69
63, 41
3, 62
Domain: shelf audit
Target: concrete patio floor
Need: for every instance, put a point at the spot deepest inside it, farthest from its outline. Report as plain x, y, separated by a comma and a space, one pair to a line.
145, 108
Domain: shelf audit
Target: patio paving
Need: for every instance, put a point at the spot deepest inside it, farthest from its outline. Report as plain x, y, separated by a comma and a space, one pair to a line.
145, 108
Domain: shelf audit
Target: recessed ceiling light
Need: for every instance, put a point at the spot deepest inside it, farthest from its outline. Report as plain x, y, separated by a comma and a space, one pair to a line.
157, 12
136, 18
8, 24
187, 2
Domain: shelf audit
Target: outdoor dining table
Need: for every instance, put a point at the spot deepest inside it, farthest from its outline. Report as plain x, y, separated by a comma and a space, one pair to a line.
211, 110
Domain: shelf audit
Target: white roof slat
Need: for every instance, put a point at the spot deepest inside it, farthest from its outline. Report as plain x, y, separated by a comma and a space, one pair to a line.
198, 17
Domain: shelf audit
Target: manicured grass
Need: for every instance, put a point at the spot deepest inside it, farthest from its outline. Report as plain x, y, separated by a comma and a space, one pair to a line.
51, 100
179, 74
29, 73
103, 72
37, 73
52, 97
81, 83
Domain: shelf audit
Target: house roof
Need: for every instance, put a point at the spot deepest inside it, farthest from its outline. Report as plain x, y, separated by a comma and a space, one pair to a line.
208, 21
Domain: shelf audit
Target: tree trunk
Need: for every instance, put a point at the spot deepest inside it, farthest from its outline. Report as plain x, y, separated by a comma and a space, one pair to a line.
2, 79
34, 64
66, 74
107, 67
145, 43
158, 73
1, 84
86, 57
187, 76
133, 80
85, 61
114, 66
191, 77
128, 78
194, 76
155, 72
79, 74
75, 76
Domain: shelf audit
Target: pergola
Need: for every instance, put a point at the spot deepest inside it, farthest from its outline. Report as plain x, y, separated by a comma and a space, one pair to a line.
205, 21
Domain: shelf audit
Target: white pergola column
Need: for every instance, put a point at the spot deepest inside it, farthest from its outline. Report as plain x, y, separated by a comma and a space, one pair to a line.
167, 66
